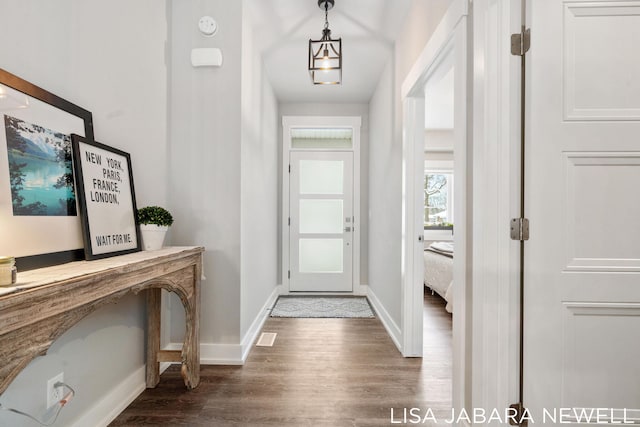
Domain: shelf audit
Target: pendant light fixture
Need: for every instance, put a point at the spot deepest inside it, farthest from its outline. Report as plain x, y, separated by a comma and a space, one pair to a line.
325, 55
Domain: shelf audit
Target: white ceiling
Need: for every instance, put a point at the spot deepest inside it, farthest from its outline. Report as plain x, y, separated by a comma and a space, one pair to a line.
368, 29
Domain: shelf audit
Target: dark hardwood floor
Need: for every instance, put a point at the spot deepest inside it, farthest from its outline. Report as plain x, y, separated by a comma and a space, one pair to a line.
320, 372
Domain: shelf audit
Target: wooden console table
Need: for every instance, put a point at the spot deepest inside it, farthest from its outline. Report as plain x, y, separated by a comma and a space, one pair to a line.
49, 301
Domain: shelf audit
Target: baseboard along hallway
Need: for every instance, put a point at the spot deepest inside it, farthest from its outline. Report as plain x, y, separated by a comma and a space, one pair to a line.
319, 372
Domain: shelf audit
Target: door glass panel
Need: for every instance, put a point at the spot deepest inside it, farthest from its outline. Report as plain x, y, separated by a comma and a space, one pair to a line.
321, 177
321, 216
321, 256
322, 138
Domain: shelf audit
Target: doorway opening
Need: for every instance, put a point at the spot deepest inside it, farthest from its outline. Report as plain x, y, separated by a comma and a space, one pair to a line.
436, 188
321, 199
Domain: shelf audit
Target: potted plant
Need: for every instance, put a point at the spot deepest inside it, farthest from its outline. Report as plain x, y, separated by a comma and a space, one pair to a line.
154, 222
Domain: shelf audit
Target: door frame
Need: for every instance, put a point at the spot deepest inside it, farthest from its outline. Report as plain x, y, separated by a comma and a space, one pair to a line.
291, 122
492, 338
495, 375
450, 42
339, 282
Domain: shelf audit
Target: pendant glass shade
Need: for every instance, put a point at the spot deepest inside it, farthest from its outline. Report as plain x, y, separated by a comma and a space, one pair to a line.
325, 61
325, 55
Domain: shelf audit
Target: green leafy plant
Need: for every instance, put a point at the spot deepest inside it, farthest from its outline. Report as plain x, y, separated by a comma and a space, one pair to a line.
155, 215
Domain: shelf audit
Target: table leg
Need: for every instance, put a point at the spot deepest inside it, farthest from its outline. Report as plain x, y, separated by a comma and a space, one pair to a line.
191, 349
153, 336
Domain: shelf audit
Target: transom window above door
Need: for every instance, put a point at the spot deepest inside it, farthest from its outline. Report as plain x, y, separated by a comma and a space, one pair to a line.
322, 138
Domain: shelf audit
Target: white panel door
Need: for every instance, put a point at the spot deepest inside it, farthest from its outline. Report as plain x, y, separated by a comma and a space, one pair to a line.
321, 228
582, 283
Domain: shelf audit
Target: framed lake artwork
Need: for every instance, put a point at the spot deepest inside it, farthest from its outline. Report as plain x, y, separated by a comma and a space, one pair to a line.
106, 198
39, 220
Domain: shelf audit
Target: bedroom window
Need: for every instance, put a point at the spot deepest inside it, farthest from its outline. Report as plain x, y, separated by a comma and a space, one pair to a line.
438, 200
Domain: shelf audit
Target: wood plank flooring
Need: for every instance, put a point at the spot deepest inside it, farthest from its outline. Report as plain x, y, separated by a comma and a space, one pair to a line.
320, 372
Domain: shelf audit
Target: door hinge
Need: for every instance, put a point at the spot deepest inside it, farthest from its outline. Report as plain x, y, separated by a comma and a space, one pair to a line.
289, 168
521, 42
521, 417
289, 222
289, 274
520, 229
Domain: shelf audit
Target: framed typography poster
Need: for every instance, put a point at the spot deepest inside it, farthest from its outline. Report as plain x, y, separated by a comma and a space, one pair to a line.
106, 199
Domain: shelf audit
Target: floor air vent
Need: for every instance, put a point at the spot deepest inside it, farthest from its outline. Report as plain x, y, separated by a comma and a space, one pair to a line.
266, 339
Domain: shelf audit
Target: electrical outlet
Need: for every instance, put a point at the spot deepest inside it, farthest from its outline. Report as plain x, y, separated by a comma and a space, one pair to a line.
55, 394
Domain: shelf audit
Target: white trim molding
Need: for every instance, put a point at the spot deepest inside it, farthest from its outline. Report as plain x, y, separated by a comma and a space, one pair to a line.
448, 47
439, 40
360, 289
257, 324
215, 354
392, 328
234, 354
412, 226
496, 178
116, 400
289, 122
221, 354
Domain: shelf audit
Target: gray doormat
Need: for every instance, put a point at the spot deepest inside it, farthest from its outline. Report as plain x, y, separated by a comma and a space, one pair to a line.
322, 307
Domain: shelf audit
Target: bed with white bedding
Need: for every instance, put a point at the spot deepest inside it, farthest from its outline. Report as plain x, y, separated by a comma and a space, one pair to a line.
438, 270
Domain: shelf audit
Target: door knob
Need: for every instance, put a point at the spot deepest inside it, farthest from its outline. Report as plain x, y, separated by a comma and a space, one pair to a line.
347, 229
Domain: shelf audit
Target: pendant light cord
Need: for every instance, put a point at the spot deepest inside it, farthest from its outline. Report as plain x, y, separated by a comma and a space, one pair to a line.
326, 15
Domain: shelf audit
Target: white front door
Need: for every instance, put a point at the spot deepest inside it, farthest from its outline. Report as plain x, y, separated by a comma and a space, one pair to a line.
321, 221
582, 262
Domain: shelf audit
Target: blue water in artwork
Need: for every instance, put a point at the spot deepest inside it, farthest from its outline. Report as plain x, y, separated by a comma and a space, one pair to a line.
40, 177
39, 170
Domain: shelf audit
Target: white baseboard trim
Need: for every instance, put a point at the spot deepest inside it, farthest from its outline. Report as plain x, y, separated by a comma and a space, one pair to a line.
233, 354
114, 402
215, 354
117, 399
165, 365
256, 326
221, 354
392, 328
361, 290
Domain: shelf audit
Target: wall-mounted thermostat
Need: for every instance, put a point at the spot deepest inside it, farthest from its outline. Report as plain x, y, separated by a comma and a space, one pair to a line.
208, 26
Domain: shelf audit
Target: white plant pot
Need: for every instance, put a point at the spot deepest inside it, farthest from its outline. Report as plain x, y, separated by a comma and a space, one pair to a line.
152, 236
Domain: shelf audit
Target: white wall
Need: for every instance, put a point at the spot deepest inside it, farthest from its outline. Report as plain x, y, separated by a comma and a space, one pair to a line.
223, 176
422, 20
111, 63
385, 199
439, 140
259, 175
204, 178
323, 109
386, 155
